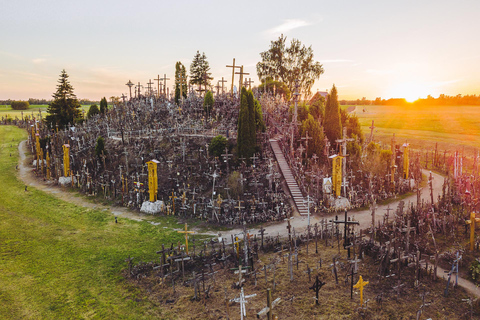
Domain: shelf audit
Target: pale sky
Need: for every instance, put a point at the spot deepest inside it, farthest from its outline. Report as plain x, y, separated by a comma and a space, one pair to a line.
368, 48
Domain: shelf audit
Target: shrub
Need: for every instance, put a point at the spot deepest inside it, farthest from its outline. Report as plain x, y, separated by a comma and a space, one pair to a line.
20, 105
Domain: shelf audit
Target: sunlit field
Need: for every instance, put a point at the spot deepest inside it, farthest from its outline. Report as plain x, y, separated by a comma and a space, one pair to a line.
7, 111
452, 127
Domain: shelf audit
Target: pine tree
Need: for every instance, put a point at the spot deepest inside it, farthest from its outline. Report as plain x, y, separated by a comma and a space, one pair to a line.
199, 71
332, 125
208, 102
103, 105
64, 108
180, 76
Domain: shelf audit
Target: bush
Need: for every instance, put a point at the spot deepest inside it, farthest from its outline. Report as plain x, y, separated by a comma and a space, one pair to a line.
100, 147
20, 105
208, 102
93, 110
217, 146
475, 270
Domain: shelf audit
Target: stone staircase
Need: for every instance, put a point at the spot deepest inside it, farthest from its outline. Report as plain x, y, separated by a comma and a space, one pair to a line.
288, 175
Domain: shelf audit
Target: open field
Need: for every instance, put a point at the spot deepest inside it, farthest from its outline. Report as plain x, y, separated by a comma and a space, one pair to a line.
6, 111
454, 128
61, 261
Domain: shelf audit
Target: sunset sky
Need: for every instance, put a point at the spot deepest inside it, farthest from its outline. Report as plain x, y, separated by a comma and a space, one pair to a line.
368, 48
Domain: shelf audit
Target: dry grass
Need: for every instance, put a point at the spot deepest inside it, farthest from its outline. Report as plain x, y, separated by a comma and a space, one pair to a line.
298, 301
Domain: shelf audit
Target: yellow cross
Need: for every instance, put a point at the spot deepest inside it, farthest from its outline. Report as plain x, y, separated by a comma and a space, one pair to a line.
219, 201
173, 197
186, 236
471, 222
184, 198
360, 284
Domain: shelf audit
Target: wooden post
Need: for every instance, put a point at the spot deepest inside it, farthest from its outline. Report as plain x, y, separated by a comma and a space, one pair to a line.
153, 179
66, 160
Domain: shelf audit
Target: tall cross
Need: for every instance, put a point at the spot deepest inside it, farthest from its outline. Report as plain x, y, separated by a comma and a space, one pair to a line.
360, 284
306, 138
346, 223
249, 83
472, 222
186, 232
233, 72
149, 83
130, 85
371, 131
343, 142
165, 84
138, 87
158, 84
222, 82
241, 73
173, 197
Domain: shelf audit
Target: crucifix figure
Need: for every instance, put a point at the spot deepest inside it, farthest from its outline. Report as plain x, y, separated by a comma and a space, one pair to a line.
130, 85
360, 284
317, 285
186, 232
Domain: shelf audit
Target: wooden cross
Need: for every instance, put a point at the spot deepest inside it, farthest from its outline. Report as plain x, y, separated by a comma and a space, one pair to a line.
270, 305
371, 131
289, 227
353, 272
130, 85
472, 222
326, 151
222, 82
241, 73
306, 138
149, 83
262, 233
242, 300
233, 72
181, 81
240, 270
360, 284
346, 223
186, 232
249, 83
317, 285
173, 197
165, 84
158, 84
138, 87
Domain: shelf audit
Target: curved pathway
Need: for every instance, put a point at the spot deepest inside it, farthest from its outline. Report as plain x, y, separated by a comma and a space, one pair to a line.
272, 229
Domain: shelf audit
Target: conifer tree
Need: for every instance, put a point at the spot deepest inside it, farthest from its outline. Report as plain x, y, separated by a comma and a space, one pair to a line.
103, 105
180, 75
199, 70
332, 124
64, 108
208, 103
250, 119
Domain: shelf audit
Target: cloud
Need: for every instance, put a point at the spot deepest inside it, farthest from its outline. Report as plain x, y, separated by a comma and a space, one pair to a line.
380, 72
444, 83
39, 60
335, 60
288, 25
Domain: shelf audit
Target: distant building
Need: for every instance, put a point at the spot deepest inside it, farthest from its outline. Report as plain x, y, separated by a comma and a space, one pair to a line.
323, 94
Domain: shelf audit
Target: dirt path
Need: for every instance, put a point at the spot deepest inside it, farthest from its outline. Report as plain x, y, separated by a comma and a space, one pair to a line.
25, 174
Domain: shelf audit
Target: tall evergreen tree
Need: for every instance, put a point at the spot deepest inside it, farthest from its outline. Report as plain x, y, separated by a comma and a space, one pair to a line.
246, 136
180, 75
64, 108
199, 70
103, 105
332, 124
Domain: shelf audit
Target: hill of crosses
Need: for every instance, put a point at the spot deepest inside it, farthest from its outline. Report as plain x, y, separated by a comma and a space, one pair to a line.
311, 211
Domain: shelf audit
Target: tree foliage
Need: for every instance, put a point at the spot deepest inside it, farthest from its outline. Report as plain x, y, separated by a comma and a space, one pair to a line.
217, 145
288, 64
332, 124
208, 102
20, 105
317, 106
180, 75
93, 110
199, 70
246, 130
64, 108
314, 130
100, 147
103, 105
274, 88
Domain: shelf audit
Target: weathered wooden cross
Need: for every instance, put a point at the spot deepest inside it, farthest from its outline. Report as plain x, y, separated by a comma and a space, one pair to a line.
270, 305
317, 285
186, 232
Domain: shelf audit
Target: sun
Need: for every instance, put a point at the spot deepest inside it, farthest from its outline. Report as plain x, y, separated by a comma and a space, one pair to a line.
411, 91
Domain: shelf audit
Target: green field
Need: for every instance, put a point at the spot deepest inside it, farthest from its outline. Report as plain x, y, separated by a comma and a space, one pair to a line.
452, 127
61, 261
6, 111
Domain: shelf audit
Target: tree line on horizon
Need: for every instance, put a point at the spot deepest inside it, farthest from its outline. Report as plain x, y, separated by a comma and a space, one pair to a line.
442, 100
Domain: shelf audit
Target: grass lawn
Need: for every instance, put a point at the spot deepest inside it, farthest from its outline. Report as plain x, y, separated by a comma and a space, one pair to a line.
60, 261
452, 127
